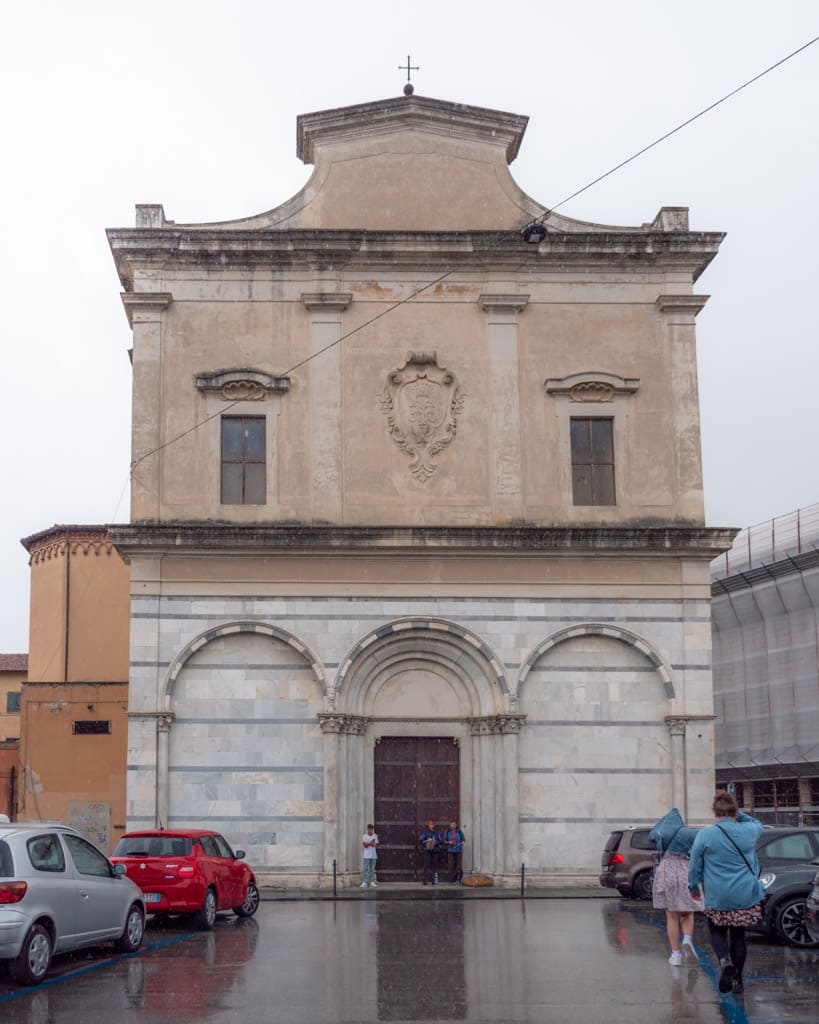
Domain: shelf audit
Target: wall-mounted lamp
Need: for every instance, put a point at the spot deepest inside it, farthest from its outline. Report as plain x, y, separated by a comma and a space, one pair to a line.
534, 233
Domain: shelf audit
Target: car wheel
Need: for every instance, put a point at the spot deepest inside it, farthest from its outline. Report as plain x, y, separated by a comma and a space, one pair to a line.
131, 938
250, 904
790, 923
643, 885
206, 914
31, 963
624, 891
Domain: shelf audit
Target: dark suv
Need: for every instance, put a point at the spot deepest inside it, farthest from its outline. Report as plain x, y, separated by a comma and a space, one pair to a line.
628, 863
788, 858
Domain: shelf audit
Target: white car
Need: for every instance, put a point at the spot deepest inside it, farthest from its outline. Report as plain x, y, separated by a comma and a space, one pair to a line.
59, 893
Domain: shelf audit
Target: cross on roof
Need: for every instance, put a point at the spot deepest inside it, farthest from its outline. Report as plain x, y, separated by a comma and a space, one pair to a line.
408, 67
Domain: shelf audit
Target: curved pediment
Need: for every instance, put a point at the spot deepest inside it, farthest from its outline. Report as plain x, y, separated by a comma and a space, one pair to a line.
412, 163
243, 384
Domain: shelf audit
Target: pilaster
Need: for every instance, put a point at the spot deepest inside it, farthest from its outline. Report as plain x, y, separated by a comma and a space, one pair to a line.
502, 313
324, 372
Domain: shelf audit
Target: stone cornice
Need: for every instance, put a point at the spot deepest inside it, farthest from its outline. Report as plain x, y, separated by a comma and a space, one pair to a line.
145, 537
629, 251
53, 543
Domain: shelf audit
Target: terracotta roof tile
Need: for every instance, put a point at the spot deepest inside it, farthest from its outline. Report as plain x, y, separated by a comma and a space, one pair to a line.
13, 663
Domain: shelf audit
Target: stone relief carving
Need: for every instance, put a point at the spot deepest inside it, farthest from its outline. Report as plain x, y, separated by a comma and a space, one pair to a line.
592, 391
422, 402
243, 390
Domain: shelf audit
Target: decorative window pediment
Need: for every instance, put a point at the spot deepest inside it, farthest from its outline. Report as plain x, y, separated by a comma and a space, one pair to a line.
246, 385
592, 387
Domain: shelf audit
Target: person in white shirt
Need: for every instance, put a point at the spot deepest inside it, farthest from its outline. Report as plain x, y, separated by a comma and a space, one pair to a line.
369, 841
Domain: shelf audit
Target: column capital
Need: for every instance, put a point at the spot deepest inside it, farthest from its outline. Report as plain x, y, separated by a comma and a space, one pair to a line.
486, 725
503, 303
163, 719
676, 723
681, 303
145, 307
354, 725
331, 302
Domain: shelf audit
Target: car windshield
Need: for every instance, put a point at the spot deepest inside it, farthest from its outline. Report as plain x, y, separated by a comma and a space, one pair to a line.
6, 865
153, 846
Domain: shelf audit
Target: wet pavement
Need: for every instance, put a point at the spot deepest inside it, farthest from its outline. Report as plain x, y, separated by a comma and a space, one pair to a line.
568, 961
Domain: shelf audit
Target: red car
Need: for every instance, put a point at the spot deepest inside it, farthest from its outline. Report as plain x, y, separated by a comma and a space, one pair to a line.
188, 872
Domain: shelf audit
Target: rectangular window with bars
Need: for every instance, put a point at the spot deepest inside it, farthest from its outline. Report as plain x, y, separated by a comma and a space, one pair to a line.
592, 444
244, 455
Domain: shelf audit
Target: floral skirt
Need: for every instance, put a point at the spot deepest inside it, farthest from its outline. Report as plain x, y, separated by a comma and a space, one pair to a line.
743, 918
671, 885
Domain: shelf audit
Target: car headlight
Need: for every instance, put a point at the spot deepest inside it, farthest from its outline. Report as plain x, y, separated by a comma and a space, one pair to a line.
767, 879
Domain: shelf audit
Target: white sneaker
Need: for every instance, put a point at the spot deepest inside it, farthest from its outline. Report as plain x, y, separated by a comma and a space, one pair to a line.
676, 958
375, 885
688, 951
363, 885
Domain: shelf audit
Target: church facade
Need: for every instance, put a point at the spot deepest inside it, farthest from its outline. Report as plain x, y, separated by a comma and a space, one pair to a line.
417, 520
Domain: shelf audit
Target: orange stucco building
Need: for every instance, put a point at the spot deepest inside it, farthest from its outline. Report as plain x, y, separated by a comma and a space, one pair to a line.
73, 708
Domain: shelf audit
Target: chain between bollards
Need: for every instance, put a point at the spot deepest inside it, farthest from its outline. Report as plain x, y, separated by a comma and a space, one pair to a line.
335, 891
522, 879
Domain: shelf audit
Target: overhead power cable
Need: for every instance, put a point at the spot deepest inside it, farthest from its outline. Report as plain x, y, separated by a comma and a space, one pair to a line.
684, 124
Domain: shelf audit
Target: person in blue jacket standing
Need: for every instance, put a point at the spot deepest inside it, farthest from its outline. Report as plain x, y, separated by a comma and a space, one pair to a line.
723, 862
454, 840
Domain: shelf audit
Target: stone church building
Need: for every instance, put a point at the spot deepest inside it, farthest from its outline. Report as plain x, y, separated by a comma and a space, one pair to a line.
417, 517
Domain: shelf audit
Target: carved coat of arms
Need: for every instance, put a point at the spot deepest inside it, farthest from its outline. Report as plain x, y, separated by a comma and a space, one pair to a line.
422, 402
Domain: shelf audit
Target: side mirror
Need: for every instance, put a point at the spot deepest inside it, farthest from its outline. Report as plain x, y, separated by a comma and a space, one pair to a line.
239, 854
119, 869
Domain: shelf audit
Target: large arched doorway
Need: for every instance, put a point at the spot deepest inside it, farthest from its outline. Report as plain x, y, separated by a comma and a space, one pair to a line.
433, 699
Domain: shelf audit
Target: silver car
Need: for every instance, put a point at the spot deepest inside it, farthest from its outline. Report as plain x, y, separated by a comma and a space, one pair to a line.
59, 893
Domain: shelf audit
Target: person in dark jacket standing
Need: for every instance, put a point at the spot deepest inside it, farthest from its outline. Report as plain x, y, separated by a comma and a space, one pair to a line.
723, 861
430, 841
454, 840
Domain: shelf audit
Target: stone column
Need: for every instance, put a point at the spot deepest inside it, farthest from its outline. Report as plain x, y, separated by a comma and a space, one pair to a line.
473, 845
679, 794
163, 794
485, 850
502, 338
510, 728
324, 371
495, 769
331, 725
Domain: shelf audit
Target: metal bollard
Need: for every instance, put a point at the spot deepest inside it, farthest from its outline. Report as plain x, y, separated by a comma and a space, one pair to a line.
335, 891
522, 879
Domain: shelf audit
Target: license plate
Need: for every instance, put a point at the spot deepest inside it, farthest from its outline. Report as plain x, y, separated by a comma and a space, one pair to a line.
152, 897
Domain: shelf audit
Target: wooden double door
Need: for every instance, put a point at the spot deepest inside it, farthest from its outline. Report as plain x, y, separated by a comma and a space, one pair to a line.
415, 778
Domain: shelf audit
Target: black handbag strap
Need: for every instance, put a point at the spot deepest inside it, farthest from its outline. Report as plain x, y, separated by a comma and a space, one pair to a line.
728, 837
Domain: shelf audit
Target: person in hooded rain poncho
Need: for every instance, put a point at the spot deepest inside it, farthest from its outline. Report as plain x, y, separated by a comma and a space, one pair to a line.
673, 840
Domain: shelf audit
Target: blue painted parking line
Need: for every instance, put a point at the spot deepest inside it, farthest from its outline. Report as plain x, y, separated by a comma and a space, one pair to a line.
732, 1009
27, 990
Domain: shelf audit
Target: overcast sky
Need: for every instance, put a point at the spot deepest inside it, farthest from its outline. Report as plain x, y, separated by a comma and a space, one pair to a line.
194, 105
